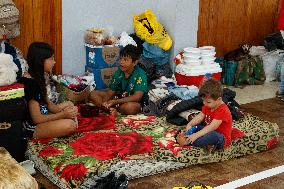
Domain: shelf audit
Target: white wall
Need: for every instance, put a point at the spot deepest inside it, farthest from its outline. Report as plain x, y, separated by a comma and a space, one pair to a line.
180, 18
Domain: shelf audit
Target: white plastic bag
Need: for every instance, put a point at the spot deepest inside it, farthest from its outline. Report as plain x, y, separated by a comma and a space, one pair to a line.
8, 70
125, 39
257, 50
269, 64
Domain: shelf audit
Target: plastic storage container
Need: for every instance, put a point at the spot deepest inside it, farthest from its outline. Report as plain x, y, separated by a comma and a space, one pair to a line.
193, 75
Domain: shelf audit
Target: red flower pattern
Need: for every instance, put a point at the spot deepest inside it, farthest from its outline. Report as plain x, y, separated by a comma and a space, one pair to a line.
57, 168
170, 142
272, 142
137, 121
42, 140
236, 133
74, 172
50, 151
104, 146
100, 122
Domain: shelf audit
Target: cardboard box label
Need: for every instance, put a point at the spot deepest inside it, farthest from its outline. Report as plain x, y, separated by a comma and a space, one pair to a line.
110, 55
102, 57
106, 75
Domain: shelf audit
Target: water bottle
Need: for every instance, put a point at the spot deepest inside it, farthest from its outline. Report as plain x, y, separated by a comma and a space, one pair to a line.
190, 131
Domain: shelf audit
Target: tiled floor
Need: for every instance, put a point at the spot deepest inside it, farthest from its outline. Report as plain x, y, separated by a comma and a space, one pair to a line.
252, 93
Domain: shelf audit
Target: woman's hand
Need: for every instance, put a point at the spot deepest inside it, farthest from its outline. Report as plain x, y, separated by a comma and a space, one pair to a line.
65, 104
70, 112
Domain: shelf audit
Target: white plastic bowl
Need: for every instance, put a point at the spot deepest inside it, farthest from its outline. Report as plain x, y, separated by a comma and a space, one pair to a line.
192, 62
208, 54
191, 58
191, 54
208, 61
191, 50
208, 58
207, 49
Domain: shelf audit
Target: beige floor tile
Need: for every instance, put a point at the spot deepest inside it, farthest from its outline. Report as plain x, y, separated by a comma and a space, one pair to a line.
252, 93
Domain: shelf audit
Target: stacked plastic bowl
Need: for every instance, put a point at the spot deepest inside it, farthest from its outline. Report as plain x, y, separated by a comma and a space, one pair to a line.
207, 54
191, 56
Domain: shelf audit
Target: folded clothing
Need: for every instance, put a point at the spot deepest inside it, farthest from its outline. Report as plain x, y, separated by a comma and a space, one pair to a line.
15, 90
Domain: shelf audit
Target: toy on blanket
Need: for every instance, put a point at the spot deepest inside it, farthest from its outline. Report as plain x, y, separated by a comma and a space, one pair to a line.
181, 135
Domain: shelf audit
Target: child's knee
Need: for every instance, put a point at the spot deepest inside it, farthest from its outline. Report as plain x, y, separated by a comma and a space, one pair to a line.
71, 126
130, 109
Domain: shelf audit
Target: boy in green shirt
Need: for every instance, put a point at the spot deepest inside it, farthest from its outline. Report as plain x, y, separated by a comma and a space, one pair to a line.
129, 83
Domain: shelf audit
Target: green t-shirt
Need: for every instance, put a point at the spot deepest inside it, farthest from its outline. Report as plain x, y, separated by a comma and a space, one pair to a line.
137, 81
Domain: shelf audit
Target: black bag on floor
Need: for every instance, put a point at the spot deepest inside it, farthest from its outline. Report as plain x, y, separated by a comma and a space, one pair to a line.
12, 139
112, 182
274, 41
13, 109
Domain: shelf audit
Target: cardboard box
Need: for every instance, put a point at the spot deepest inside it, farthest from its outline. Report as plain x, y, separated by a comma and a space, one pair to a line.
100, 57
102, 77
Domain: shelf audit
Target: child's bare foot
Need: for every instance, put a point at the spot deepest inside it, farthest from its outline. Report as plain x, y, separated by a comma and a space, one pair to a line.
113, 111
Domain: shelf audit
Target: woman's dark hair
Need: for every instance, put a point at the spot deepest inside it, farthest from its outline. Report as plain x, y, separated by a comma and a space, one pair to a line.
211, 88
38, 52
132, 51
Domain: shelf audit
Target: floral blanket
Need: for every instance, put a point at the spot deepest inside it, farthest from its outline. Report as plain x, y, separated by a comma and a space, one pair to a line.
136, 146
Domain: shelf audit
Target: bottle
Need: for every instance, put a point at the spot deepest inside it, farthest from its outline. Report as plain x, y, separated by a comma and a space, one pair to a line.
190, 131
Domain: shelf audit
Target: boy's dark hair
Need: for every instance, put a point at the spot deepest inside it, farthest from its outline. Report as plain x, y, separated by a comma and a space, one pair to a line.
132, 51
38, 52
211, 88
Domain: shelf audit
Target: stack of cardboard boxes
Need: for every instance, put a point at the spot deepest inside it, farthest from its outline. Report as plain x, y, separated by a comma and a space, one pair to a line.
102, 61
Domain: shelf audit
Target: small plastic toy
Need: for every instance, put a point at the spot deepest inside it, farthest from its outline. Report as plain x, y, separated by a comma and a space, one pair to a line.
191, 131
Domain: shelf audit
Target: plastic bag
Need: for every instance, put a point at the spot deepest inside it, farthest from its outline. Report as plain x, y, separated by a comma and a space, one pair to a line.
125, 39
149, 29
9, 20
278, 67
269, 64
94, 37
274, 41
7, 70
257, 50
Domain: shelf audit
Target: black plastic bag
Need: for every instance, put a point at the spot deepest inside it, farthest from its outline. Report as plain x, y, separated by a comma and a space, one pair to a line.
112, 182
274, 41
